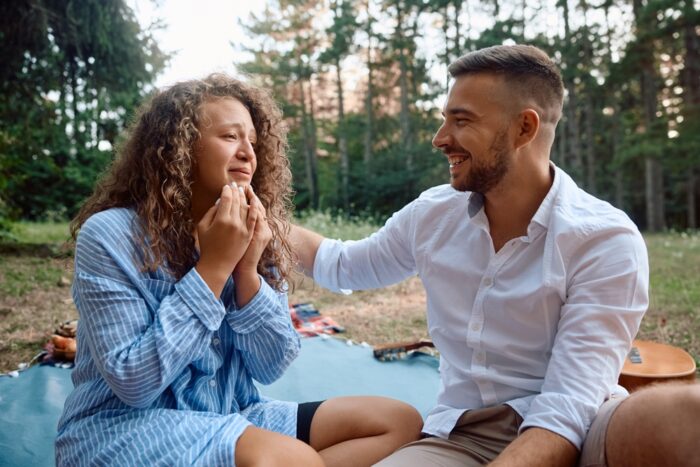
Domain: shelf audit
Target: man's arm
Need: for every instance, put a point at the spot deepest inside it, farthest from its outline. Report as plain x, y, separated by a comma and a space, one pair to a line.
537, 447
305, 244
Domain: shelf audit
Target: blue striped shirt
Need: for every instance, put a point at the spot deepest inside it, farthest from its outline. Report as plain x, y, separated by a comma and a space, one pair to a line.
164, 369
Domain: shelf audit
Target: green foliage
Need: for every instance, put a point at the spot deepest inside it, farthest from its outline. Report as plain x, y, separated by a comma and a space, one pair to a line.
338, 225
72, 73
41, 232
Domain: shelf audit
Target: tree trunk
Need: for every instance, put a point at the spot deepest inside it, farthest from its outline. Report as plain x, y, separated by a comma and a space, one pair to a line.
615, 132
369, 110
445, 28
404, 113
573, 157
692, 209
342, 142
589, 112
314, 143
691, 89
458, 27
309, 150
654, 190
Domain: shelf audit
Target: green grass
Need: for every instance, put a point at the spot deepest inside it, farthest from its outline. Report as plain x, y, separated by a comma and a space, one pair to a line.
334, 226
674, 295
41, 232
22, 275
29, 286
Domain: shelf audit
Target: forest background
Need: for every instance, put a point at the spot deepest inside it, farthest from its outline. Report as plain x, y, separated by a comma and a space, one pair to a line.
361, 84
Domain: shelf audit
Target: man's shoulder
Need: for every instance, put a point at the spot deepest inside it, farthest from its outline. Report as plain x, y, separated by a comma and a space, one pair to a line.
441, 194
579, 212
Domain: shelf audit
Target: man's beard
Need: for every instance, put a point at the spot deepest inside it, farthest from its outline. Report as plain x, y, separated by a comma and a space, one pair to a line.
481, 177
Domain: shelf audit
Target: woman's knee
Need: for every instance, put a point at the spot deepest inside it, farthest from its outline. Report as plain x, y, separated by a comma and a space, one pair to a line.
262, 448
344, 418
405, 420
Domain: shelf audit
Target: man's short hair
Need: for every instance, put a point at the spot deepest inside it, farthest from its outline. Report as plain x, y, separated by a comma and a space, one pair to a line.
526, 67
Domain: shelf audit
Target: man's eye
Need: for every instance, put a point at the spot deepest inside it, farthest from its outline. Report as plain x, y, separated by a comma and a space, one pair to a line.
232, 136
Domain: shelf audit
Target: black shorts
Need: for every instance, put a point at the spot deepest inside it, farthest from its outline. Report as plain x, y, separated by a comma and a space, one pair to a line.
305, 413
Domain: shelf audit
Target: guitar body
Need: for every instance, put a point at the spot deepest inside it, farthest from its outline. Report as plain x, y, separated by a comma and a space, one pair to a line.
651, 362
399, 350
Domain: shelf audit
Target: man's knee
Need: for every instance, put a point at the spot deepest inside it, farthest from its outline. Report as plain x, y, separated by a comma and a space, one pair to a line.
659, 421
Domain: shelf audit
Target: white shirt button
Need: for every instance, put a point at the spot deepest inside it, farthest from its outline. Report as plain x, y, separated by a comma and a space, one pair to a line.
487, 282
476, 326
212, 382
480, 357
215, 341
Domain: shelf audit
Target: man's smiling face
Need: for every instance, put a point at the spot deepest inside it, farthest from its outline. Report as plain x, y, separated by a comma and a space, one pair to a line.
474, 135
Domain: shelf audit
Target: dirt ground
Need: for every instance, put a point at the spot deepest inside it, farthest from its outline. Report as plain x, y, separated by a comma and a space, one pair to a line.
29, 317
35, 297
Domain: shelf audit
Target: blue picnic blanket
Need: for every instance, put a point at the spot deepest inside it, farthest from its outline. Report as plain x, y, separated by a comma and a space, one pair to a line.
31, 404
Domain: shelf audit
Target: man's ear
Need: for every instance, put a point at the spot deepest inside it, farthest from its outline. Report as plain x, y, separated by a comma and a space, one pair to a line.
528, 125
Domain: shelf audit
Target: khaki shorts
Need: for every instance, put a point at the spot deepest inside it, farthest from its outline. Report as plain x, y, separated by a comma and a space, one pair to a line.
481, 435
477, 438
593, 450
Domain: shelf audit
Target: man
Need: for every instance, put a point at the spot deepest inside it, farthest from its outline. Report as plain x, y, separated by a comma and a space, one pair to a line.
535, 289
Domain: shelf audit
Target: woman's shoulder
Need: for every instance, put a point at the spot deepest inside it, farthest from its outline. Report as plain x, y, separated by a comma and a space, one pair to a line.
109, 225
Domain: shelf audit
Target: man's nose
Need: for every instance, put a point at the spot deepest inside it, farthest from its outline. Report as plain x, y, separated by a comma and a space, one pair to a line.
441, 137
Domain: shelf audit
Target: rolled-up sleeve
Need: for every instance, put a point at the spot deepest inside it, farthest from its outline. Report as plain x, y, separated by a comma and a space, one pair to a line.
382, 259
264, 334
607, 295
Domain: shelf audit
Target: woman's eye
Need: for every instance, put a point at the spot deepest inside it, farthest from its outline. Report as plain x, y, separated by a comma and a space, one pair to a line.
232, 136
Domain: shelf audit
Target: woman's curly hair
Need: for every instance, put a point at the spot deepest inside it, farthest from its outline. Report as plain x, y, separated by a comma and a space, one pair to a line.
153, 174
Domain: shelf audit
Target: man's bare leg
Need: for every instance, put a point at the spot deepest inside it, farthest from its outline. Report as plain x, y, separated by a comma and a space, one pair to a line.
658, 426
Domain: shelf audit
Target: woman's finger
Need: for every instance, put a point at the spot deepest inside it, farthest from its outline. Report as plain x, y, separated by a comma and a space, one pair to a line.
253, 216
224, 206
208, 217
235, 208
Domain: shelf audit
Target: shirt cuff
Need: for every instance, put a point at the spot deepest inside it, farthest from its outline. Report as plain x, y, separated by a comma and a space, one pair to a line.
263, 307
562, 414
199, 298
326, 265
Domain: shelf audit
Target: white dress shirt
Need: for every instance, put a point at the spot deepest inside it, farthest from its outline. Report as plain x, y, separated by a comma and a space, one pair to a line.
543, 325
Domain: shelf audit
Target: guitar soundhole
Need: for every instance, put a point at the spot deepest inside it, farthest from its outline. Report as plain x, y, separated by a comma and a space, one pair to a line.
634, 355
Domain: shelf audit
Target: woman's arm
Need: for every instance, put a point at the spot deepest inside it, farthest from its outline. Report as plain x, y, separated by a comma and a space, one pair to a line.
141, 332
264, 334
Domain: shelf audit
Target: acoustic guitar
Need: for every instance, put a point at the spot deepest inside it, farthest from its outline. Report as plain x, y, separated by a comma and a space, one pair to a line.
651, 362
399, 350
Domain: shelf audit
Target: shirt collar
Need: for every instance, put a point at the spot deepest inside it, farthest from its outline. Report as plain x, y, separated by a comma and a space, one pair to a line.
476, 202
544, 212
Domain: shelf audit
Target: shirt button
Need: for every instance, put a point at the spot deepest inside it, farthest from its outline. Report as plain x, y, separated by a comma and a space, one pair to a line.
476, 327
212, 382
487, 281
480, 357
215, 341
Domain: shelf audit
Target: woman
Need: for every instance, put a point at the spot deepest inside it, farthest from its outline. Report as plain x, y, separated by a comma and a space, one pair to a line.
180, 276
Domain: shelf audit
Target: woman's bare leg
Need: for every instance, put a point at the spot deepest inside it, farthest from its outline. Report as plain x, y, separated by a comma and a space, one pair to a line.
359, 431
262, 448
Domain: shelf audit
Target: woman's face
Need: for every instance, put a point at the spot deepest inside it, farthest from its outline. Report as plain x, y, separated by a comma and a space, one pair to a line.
225, 150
